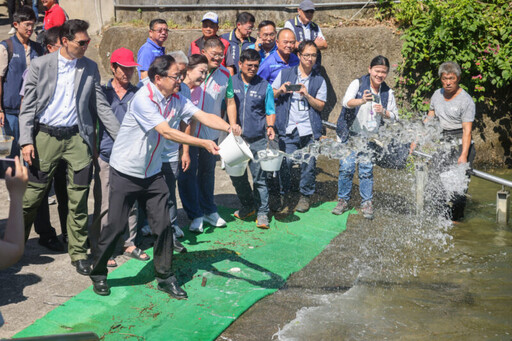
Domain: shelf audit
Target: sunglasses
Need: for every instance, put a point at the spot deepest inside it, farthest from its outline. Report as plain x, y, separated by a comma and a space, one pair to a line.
82, 43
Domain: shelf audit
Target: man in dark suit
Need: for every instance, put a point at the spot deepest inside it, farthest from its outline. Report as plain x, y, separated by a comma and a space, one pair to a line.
57, 119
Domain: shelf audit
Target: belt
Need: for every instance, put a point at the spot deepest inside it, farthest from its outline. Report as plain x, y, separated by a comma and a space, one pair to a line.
59, 132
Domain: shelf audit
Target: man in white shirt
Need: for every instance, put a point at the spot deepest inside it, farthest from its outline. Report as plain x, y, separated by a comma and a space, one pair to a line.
153, 116
62, 99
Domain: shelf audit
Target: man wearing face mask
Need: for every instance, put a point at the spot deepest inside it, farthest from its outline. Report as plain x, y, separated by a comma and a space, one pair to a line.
62, 99
239, 39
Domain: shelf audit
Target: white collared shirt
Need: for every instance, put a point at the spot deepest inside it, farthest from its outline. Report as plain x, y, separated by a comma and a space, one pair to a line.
61, 111
366, 113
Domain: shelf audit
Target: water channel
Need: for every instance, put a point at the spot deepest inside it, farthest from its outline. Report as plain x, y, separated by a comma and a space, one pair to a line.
423, 279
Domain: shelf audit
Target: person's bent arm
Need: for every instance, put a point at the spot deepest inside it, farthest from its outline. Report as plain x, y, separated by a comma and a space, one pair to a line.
13, 244
466, 142
180, 137
231, 110
321, 43
271, 130
431, 114
185, 157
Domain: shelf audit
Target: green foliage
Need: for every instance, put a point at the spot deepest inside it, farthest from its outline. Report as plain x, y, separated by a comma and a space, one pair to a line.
475, 34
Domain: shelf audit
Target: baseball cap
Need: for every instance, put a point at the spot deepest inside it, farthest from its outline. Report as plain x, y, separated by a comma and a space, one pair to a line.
307, 5
213, 17
123, 57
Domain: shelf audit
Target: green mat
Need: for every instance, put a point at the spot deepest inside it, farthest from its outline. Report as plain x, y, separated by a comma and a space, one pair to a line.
237, 265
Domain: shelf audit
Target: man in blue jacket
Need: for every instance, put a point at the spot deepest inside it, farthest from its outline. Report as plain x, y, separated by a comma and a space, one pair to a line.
256, 114
15, 56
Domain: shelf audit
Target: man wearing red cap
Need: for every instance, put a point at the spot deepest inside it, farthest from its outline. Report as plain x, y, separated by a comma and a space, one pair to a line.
118, 91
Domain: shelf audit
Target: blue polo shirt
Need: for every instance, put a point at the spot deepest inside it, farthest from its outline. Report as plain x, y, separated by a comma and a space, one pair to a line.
263, 55
273, 64
147, 53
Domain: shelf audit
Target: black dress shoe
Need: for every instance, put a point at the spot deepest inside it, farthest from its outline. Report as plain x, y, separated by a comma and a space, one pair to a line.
171, 287
178, 247
82, 267
52, 243
101, 288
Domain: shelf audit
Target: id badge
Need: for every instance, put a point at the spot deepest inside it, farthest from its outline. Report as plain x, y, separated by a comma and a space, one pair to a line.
303, 105
371, 124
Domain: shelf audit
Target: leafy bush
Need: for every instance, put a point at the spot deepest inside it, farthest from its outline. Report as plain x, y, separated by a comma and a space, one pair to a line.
475, 34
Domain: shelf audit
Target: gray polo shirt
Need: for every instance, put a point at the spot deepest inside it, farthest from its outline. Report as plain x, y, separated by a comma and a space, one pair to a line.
138, 147
452, 113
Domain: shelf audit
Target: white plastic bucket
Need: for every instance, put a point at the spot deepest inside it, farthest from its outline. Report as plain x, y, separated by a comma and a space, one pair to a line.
237, 170
5, 145
270, 160
234, 150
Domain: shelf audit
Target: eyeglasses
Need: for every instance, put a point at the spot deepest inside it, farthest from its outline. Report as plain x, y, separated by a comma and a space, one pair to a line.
162, 30
311, 11
178, 78
268, 35
215, 56
82, 43
27, 25
309, 56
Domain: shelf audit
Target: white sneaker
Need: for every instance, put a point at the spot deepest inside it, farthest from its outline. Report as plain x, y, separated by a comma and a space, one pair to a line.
178, 232
12, 31
214, 219
196, 225
52, 200
146, 230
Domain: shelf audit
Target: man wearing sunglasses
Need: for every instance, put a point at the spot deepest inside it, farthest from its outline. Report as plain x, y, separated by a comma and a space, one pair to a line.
305, 28
63, 97
153, 47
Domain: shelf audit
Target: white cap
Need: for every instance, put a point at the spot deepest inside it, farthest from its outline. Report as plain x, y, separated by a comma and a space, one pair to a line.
213, 17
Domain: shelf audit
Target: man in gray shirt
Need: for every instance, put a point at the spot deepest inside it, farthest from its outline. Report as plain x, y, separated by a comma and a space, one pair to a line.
456, 112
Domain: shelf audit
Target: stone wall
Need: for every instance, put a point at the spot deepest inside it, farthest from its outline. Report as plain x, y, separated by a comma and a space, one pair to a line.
96, 12
188, 13
348, 56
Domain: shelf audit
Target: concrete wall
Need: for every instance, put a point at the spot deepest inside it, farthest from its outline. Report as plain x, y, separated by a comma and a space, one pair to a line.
97, 12
348, 57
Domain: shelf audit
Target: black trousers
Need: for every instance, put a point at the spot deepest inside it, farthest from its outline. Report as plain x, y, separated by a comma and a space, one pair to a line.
152, 195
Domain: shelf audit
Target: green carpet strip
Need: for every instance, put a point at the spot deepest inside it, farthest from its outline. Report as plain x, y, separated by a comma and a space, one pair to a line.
224, 273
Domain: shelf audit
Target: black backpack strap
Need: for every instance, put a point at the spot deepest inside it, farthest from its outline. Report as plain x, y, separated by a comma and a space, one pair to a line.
8, 44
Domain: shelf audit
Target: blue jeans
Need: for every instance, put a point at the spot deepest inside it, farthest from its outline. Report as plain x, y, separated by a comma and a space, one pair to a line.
170, 170
258, 196
196, 185
12, 128
347, 170
290, 143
